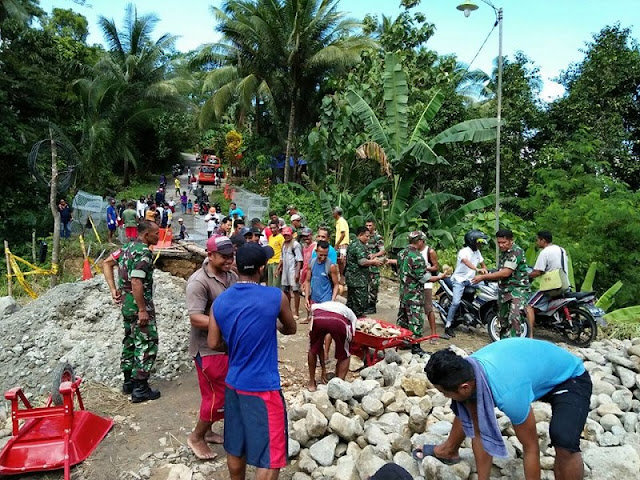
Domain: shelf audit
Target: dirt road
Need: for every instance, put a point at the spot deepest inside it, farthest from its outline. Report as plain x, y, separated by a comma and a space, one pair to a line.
155, 432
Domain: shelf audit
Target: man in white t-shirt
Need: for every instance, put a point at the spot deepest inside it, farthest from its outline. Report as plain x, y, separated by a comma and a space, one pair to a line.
431, 259
467, 263
552, 257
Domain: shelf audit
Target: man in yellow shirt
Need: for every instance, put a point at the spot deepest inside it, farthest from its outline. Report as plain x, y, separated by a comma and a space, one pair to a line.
342, 240
274, 264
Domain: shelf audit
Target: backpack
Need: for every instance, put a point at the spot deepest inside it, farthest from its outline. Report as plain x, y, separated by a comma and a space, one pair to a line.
327, 267
165, 217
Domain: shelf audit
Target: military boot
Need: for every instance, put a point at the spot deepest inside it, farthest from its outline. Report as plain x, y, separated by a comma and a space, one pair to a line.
127, 385
416, 349
143, 392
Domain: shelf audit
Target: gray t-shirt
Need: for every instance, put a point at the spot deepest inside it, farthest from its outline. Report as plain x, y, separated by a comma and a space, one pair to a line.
291, 254
203, 288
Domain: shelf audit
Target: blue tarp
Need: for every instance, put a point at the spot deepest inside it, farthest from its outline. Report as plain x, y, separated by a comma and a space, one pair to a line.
278, 162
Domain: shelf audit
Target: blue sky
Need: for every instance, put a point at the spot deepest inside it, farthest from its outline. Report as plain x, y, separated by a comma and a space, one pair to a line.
550, 32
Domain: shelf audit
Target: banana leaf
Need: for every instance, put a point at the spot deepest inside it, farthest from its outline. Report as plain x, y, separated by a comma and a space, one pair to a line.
476, 130
396, 98
371, 123
587, 284
457, 216
531, 255
606, 300
628, 315
429, 113
570, 274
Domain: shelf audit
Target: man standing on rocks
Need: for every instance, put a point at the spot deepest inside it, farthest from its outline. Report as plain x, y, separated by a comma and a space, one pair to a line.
375, 249
255, 416
513, 281
357, 272
203, 288
338, 321
291, 267
274, 267
140, 343
510, 374
412, 273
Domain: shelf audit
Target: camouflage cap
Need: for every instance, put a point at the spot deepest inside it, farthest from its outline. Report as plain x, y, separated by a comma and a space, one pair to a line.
417, 235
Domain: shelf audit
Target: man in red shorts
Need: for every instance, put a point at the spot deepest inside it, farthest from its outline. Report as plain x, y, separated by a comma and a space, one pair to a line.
247, 316
203, 288
339, 321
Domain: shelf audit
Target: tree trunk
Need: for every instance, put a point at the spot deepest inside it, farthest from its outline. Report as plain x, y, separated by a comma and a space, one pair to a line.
125, 172
53, 193
289, 150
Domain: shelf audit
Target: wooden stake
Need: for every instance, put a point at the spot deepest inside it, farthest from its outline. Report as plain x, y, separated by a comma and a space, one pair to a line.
9, 271
53, 204
33, 245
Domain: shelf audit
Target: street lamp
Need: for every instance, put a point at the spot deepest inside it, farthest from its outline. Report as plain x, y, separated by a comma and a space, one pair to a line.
467, 8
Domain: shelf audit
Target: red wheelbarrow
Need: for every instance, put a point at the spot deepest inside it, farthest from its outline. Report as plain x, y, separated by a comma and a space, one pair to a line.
54, 436
367, 346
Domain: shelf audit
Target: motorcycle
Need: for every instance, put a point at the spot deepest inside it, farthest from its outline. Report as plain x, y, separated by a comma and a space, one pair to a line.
478, 306
176, 169
573, 315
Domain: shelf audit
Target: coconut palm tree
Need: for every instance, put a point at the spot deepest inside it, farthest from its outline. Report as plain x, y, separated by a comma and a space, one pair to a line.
279, 49
127, 89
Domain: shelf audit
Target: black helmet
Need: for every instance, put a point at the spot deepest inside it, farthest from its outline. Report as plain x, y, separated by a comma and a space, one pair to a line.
473, 237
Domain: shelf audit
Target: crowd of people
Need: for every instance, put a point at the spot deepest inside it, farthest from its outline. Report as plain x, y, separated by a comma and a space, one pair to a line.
251, 285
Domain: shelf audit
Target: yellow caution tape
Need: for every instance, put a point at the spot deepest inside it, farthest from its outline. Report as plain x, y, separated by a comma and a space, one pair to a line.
95, 231
35, 270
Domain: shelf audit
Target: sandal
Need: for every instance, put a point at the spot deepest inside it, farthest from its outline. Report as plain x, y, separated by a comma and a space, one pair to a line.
428, 451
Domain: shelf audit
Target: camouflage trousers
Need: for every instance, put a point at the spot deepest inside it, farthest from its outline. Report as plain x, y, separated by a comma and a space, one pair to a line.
374, 285
358, 299
139, 347
411, 317
510, 308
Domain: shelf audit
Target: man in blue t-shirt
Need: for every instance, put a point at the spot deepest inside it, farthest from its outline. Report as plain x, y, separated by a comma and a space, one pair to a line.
247, 317
510, 374
323, 235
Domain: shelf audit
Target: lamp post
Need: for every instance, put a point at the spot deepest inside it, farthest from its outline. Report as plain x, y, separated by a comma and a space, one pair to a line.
468, 7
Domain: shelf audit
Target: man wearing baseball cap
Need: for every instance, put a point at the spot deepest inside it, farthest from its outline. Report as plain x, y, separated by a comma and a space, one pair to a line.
246, 317
203, 287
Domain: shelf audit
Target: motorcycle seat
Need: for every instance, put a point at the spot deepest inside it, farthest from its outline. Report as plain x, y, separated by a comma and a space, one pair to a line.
578, 295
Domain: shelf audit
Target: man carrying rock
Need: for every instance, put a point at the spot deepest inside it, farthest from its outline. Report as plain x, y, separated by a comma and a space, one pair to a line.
203, 287
140, 343
255, 417
335, 319
510, 374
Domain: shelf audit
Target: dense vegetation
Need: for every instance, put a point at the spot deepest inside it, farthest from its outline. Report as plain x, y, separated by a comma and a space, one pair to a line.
389, 128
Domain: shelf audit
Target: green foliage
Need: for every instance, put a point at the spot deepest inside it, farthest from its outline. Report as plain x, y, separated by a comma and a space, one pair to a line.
283, 195
606, 300
623, 323
587, 283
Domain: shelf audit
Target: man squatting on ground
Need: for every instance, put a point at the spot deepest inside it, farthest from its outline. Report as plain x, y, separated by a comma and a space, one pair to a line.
510, 374
247, 317
135, 294
203, 287
339, 321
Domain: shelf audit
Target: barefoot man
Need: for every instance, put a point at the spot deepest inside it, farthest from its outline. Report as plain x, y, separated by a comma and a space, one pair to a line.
203, 288
338, 321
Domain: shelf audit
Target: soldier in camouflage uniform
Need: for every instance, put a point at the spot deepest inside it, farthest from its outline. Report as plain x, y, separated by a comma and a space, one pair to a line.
140, 343
357, 273
413, 273
513, 281
375, 249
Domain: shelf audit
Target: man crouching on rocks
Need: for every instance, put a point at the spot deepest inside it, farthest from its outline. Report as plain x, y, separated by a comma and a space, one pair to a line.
140, 343
203, 287
510, 374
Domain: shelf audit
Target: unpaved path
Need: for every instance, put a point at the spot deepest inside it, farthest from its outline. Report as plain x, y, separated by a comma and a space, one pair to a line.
160, 428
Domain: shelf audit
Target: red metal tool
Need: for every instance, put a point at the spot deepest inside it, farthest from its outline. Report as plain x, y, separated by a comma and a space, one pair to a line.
54, 436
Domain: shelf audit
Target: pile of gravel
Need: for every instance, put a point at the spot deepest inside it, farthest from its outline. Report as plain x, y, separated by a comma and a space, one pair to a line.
348, 430
77, 323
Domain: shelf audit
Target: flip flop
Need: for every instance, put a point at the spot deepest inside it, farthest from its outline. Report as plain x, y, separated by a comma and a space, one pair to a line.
427, 451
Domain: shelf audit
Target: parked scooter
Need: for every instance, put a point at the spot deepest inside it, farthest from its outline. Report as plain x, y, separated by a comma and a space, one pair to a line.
478, 306
573, 315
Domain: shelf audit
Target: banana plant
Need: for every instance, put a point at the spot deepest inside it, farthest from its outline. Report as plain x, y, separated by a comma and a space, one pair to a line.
400, 153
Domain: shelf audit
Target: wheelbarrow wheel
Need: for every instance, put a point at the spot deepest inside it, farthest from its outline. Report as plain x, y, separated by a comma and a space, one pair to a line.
62, 373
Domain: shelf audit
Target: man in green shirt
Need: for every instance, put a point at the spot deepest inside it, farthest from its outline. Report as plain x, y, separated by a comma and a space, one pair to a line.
356, 272
513, 280
130, 220
375, 249
135, 295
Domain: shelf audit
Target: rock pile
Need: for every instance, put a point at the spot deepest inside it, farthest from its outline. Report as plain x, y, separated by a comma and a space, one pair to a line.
347, 431
77, 323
